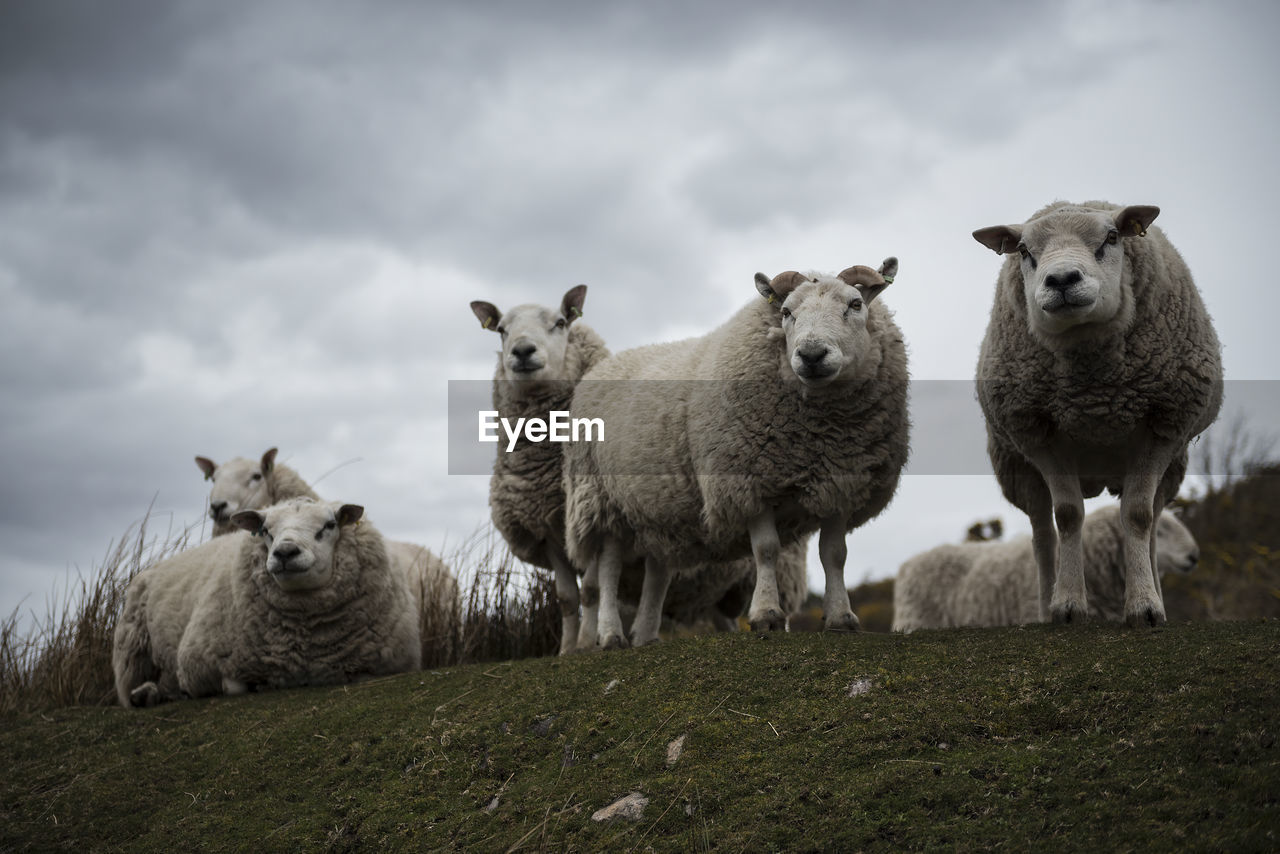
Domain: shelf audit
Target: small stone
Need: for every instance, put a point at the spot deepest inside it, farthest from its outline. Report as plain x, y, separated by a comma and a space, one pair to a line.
493, 804
674, 749
630, 807
614, 683
858, 687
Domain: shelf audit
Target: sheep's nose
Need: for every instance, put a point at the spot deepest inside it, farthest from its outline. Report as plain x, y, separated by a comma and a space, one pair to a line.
287, 551
524, 350
1193, 559
812, 354
1065, 279
216, 508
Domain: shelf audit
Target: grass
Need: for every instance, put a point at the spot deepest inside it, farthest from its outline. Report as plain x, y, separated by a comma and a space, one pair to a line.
965, 739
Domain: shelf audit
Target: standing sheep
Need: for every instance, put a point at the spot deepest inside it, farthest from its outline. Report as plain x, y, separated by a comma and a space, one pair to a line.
241, 484
311, 599
1098, 367
544, 354
790, 417
997, 583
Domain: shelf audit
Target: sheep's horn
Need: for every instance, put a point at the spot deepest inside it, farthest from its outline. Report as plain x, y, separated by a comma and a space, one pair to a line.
860, 275
785, 283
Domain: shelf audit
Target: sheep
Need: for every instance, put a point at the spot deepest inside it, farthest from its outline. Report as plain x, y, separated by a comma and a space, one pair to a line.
789, 418
308, 598
544, 353
242, 484
1099, 365
996, 583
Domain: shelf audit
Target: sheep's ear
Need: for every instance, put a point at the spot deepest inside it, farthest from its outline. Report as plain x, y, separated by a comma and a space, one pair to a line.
1133, 220
249, 520
762, 285
269, 460
207, 466
1000, 239
571, 305
487, 313
349, 513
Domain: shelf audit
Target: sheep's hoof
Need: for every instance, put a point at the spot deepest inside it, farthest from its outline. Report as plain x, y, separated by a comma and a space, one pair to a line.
613, 642
771, 620
1148, 617
145, 695
636, 642
1068, 613
844, 623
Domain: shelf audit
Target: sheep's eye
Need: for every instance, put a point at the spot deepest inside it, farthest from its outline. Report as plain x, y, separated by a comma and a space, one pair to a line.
560, 324
1113, 237
264, 532
856, 304
256, 476
1026, 254
328, 526
502, 332
786, 312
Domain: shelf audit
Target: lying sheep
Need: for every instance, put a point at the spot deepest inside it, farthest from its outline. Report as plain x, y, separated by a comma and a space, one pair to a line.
790, 417
309, 598
545, 352
997, 583
241, 484
1099, 365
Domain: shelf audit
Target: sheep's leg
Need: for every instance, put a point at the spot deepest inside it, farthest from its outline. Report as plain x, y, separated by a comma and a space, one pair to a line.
567, 596
765, 613
590, 598
1143, 604
1044, 542
612, 635
644, 630
1068, 604
837, 615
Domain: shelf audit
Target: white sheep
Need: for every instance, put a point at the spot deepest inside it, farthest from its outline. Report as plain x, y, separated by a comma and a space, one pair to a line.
997, 583
790, 417
242, 484
1099, 365
310, 599
544, 354
545, 351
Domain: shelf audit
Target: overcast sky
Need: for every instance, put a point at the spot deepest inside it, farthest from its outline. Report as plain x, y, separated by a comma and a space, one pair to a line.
231, 226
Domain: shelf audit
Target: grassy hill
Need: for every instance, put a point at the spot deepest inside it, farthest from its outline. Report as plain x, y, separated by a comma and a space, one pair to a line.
969, 739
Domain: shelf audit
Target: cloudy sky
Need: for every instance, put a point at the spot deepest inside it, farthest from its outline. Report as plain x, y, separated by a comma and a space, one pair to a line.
228, 226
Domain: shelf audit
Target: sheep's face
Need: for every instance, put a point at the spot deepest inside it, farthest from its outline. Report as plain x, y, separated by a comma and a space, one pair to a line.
1176, 548
1072, 263
238, 484
534, 338
824, 321
300, 537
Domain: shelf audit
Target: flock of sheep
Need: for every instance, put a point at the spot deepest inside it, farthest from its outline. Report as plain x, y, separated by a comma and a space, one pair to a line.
724, 453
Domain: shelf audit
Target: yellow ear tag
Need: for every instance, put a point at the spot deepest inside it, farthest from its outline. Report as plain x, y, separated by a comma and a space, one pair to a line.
1139, 230
486, 323
770, 299
577, 312
888, 280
